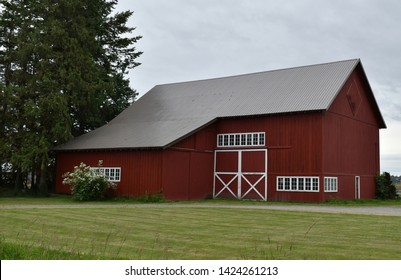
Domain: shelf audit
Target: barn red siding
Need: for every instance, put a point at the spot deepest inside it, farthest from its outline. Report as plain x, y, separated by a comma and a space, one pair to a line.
141, 171
351, 140
187, 174
188, 166
294, 143
294, 140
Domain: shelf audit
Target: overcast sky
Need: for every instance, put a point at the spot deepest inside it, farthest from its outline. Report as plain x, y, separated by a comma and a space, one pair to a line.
186, 40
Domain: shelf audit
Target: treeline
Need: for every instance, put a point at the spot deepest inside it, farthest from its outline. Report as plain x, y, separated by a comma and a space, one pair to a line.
63, 66
396, 179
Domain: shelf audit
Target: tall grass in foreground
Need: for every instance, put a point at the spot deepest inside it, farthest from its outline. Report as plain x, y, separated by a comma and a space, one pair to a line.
195, 233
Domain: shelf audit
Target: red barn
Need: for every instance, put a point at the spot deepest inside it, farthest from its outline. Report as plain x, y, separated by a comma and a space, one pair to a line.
301, 134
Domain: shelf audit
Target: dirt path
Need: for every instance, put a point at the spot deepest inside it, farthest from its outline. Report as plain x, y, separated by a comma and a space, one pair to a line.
363, 210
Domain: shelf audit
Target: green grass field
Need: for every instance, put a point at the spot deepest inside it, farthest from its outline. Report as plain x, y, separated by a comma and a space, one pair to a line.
191, 233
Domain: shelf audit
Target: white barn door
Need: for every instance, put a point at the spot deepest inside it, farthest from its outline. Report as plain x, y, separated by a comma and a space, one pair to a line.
240, 173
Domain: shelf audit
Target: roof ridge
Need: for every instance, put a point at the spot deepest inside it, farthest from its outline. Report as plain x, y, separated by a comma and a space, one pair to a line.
259, 72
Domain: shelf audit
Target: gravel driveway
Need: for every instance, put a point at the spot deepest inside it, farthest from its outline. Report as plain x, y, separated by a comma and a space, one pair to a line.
363, 210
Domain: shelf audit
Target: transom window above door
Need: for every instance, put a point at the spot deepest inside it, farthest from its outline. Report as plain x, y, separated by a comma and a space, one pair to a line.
241, 139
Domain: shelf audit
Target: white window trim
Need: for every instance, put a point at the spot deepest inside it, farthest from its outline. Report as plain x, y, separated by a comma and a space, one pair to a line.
292, 184
253, 139
330, 184
109, 170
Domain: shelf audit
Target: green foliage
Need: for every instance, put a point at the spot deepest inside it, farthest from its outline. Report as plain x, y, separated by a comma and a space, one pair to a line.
62, 73
385, 189
86, 184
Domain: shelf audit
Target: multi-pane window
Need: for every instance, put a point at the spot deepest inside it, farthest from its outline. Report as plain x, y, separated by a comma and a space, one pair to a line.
241, 139
330, 184
112, 174
298, 184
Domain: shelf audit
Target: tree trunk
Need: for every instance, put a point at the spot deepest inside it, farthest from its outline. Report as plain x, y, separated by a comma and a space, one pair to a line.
43, 187
18, 182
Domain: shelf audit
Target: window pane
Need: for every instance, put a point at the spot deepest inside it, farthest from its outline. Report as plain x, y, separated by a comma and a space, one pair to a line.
287, 183
243, 139
237, 139
220, 141
261, 139
231, 139
315, 182
255, 139
293, 184
118, 174
280, 185
307, 184
225, 140
301, 182
249, 139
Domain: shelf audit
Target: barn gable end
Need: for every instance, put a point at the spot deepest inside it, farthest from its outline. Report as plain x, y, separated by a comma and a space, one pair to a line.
351, 125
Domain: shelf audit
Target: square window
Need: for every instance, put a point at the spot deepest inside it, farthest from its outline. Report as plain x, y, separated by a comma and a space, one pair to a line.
330, 184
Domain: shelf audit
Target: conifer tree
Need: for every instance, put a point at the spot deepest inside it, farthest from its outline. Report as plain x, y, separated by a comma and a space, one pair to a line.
63, 66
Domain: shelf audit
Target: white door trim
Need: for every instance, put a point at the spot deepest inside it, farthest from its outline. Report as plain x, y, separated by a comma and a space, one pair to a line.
238, 175
357, 187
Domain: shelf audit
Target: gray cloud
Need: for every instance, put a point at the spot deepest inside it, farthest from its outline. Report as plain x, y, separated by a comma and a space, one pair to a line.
191, 39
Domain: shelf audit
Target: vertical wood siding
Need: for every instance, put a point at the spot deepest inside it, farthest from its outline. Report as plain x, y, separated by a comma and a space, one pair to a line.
140, 170
294, 143
188, 166
351, 140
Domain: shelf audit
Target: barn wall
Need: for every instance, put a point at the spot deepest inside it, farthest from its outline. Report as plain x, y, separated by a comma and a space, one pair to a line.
187, 174
293, 140
188, 166
141, 171
294, 143
351, 139
347, 190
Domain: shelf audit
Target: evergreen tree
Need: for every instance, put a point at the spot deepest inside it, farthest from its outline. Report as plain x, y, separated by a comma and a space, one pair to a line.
385, 188
62, 73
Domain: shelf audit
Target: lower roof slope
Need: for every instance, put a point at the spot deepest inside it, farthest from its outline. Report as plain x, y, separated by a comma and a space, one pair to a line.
170, 112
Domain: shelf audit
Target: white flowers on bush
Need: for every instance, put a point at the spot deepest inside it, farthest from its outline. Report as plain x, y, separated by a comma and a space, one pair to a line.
86, 184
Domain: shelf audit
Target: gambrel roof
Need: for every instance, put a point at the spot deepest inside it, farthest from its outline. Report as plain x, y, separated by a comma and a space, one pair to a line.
170, 112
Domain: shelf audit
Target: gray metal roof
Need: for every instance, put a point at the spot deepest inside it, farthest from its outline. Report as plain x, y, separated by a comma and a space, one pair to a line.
172, 111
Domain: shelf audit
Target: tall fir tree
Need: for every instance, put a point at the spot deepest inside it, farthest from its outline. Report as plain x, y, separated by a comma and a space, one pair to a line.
63, 67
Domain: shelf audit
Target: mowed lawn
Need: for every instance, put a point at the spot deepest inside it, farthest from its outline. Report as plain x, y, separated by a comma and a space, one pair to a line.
195, 233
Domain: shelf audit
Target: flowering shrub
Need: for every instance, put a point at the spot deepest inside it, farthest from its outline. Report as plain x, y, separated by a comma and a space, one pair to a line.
86, 184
